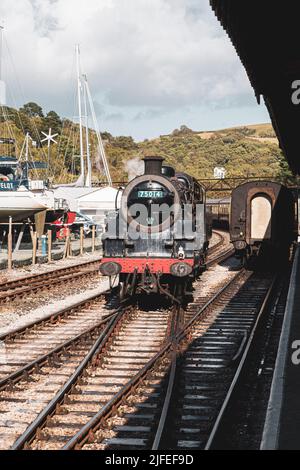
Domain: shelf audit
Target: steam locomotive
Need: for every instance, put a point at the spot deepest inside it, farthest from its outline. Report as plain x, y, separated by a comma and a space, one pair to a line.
157, 241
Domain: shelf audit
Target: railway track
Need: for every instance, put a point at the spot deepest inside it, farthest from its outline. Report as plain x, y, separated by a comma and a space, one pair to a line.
221, 251
23, 346
183, 389
243, 414
133, 338
61, 350
21, 287
26, 348
221, 241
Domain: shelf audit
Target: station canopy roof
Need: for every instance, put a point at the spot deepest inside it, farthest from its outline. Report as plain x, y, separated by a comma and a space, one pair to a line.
266, 35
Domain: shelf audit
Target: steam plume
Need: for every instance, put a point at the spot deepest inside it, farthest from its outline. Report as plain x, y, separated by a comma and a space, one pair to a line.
134, 167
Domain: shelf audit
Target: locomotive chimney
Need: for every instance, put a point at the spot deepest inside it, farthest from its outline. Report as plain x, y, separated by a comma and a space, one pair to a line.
153, 165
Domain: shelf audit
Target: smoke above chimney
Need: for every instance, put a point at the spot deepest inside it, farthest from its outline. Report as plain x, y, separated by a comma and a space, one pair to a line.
134, 167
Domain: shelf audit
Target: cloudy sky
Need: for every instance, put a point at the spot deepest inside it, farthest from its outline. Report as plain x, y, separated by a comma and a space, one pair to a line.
152, 64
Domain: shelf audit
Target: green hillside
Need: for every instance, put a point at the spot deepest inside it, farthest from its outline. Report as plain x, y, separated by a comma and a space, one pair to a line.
244, 151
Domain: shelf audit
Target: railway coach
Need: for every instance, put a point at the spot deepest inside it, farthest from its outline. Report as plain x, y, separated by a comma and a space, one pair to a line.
262, 220
220, 212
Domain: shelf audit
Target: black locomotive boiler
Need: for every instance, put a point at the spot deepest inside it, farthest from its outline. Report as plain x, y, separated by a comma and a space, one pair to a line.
158, 240
262, 220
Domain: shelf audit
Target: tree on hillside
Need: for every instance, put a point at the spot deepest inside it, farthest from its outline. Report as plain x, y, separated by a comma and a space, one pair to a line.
32, 109
53, 121
184, 130
246, 131
24, 123
285, 172
107, 136
124, 142
9, 114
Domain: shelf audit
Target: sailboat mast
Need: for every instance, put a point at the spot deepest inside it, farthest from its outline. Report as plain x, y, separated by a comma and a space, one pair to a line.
27, 147
79, 86
88, 154
2, 83
26, 155
1, 47
99, 138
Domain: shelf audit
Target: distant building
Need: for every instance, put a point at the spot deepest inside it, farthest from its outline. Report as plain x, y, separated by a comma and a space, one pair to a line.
219, 173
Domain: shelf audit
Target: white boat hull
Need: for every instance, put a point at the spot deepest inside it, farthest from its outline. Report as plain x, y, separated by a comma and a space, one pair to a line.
19, 205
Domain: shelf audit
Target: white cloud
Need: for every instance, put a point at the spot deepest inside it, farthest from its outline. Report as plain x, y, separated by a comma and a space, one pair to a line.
139, 54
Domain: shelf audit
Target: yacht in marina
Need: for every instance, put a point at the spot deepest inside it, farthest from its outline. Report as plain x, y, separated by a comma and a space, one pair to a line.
21, 197
16, 198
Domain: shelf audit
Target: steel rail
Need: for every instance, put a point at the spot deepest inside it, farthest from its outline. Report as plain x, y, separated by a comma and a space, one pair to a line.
218, 244
46, 284
50, 408
53, 272
167, 401
172, 375
223, 256
52, 318
31, 431
34, 366
91, 426
234, 383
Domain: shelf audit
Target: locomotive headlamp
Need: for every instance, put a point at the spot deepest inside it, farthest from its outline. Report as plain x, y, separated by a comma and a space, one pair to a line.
240, 245
110, 268
181, 269
181, 254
